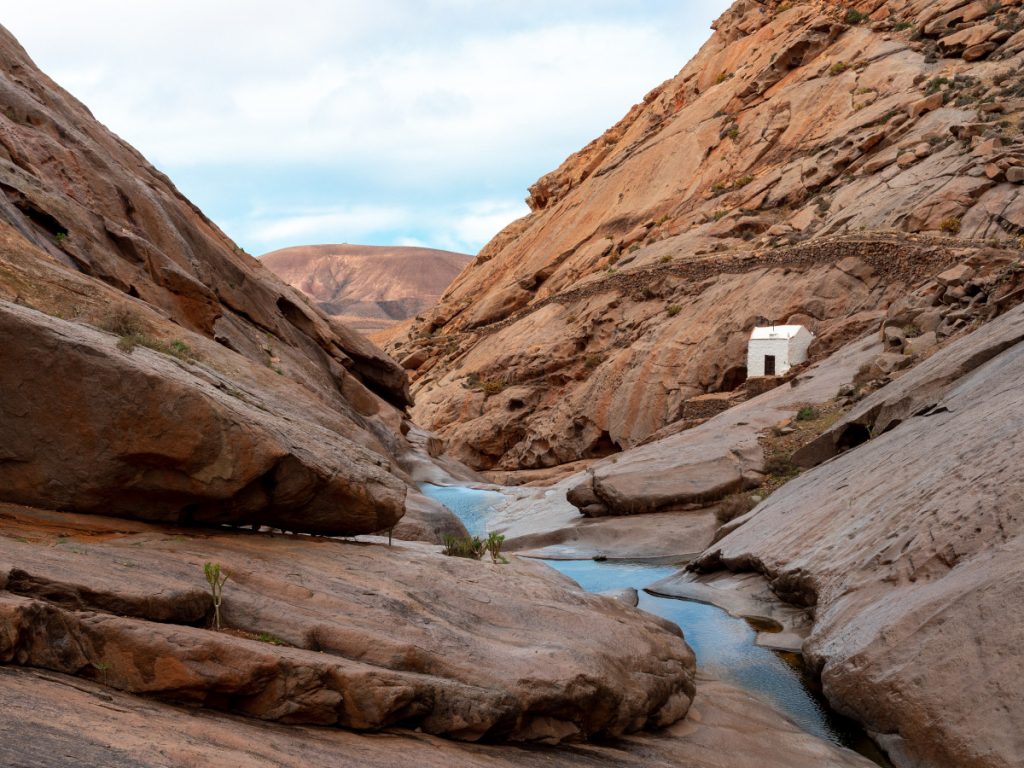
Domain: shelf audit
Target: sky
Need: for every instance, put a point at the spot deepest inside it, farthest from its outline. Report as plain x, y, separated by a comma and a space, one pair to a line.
392, 122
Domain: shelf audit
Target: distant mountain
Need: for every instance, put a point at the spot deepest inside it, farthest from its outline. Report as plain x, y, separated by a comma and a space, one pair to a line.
369, 287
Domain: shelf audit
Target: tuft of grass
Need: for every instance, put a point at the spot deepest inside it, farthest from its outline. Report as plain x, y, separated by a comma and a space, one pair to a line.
673, 309
665, 259
807, 413
838, 68
266, 637
734, 506
853, 16
592, 361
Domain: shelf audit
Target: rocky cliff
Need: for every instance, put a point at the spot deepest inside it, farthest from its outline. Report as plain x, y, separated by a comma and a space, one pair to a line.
809, 165
159, 388
369, 288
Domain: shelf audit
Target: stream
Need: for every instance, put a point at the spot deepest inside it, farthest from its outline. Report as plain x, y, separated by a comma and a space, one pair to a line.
723, 644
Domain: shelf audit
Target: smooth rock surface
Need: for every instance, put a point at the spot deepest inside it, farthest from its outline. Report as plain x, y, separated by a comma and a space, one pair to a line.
909, 546
373, 635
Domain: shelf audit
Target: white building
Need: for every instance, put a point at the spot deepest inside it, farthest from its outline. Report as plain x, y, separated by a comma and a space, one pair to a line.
776, 349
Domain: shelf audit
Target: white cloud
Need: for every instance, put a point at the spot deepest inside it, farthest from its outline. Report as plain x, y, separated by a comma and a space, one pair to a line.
386, 103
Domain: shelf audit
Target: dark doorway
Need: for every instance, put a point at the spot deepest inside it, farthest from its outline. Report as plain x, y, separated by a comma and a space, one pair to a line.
769, 365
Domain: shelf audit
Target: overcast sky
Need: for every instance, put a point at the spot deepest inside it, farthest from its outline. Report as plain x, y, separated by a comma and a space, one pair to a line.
383, 122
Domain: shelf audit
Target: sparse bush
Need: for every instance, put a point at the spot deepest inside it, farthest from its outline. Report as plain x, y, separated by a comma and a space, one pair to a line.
902, 25
780, 465
838, 68
734, 506
853, 16
742, 181
951, 225
123, 322
733, 132
463, 546
215, 578
911, 331
673, 309
665, 259
492, 386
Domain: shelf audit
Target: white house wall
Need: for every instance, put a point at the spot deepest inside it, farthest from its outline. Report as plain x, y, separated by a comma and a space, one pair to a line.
798, 348
757, 350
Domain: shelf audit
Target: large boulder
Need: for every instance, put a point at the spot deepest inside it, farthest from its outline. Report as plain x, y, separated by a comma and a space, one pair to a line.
94, 428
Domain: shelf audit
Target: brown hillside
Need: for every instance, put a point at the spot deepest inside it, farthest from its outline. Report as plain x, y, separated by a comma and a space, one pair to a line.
811, 163
368, 287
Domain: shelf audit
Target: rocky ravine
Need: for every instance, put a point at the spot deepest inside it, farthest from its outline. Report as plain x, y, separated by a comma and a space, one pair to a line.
158, 385
753, 185
369, 288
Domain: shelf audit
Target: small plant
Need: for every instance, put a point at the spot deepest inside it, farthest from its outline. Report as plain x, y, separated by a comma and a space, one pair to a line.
665, 259
807, 413
123, 322
853, 16
950, 225
60, 237
592, 361
215, 578
266, 637
673, 309
103, 667
902, 25
780, 465
634, 247
734, 506
838, 68
911, 331
492, 386
463, 546
493, 546
718, 188
935, 84
733, 132
724, 76
742, 181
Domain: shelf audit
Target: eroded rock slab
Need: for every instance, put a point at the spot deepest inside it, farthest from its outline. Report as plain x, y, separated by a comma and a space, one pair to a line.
373, 636
910, 548
51, 719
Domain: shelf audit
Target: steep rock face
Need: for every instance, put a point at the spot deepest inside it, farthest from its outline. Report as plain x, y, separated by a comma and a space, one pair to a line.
358, 635
367, 287
752, 186
153, 369
909, 547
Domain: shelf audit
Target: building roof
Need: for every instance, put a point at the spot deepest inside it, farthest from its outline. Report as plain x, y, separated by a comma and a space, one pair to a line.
776, 332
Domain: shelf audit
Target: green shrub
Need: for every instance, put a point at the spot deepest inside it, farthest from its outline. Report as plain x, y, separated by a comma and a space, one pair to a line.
807, 413
673, 309
463, 546
950, 225
493, 546
838, 68
853, 16
266, 637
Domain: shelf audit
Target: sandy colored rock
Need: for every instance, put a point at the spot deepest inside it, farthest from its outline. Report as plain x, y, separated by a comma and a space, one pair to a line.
110, 729
650, 254
367, 287
369, 631
909, 547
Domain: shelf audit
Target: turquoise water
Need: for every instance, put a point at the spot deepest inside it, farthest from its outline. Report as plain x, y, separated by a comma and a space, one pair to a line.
470, 505
724, 645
